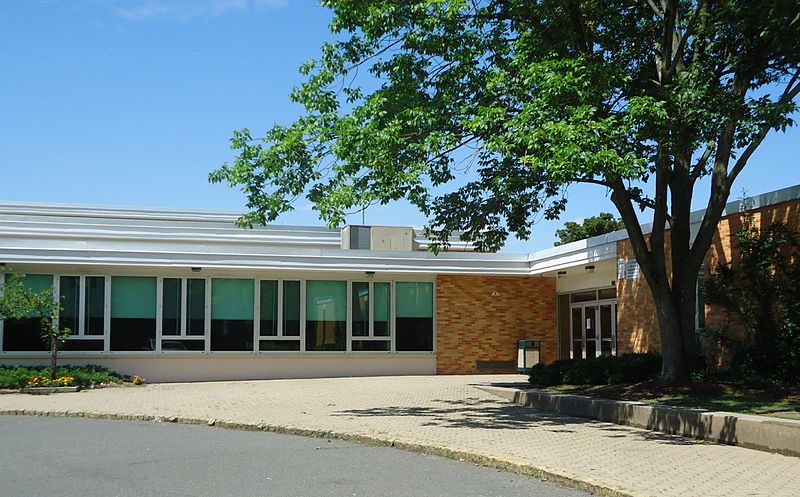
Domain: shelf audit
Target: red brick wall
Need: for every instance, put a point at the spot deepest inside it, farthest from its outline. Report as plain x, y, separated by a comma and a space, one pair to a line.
473, 325
637, 327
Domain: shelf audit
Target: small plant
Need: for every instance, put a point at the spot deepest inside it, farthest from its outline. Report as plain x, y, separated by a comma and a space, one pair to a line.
137, 380
45, 381
83, 376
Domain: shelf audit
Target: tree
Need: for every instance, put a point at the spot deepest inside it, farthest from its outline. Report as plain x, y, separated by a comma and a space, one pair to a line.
19, 302
503, 104
601, 224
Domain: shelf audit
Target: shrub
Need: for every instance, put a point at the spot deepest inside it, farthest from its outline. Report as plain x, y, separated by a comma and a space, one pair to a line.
760, 296
603, 370
84, 376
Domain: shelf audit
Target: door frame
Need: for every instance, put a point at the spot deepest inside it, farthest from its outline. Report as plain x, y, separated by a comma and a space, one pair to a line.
595, 305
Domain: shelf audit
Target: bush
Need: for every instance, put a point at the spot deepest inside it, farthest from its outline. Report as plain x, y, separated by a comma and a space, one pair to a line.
603, 370
84, 376
760, 338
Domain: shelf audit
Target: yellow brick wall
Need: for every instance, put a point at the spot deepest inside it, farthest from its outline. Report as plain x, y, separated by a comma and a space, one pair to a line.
474, 325
637, 326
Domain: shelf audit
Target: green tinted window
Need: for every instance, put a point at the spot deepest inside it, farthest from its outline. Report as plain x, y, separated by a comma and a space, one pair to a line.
232, 298
133, 297
414, 300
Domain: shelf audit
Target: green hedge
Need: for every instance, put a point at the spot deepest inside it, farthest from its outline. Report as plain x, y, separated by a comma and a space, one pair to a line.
18, 376
603, 370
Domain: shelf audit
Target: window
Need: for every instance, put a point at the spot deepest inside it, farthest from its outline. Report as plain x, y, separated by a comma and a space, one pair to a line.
183, 314
24, 334
326, 315
133, 313
279, 315
83, 311
414, 309
232, 314
371, 313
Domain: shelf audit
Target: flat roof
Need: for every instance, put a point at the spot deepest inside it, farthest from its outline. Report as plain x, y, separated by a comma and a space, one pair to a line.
62, 234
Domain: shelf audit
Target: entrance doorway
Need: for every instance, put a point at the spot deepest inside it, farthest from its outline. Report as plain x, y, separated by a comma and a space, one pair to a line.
592, 323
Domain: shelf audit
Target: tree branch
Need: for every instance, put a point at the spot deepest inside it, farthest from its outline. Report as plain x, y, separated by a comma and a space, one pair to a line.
700, 165
787, 96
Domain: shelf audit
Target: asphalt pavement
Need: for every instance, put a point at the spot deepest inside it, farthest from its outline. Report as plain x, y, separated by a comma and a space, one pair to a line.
81, 457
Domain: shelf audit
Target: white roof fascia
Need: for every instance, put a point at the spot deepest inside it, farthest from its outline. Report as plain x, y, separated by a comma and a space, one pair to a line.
284, 259
604, 247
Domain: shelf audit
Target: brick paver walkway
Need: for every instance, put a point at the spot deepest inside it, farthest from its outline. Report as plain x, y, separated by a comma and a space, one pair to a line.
448, 412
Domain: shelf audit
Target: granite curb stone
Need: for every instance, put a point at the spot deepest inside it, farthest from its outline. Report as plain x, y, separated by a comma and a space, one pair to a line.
743, 430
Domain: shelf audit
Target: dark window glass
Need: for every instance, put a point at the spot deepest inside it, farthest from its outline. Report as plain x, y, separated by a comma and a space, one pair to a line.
583, 296
83, 345
171, 307
608, 293
196, 307
25, 334
291, 308
168, 344
279, 345
69, 288
95, 303
382, 308
414, 307
232, 314
326, 315
133, 313
269, 308
360, 309
371, 345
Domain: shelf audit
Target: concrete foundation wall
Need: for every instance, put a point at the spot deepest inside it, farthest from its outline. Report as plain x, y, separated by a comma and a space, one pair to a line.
169, 368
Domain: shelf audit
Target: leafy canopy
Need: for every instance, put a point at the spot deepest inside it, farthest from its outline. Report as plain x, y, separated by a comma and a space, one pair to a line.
511, 101
601, 224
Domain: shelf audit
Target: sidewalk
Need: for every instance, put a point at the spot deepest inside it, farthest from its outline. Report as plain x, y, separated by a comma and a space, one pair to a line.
447, 413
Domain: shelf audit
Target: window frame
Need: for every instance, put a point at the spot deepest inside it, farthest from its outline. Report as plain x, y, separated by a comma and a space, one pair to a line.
370, 337
302, 279
183, 328
281, 336
81, 332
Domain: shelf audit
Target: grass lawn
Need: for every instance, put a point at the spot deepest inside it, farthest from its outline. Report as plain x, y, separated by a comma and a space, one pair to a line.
705, 395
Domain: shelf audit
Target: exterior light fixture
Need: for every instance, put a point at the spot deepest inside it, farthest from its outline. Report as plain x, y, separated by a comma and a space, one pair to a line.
369, 274
562, 274
495, 293
196, 269
589, 269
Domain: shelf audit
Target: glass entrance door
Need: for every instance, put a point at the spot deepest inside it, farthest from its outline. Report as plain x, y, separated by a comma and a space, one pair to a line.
593, 329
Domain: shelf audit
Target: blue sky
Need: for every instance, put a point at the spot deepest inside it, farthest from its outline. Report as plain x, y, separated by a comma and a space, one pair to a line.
130, 102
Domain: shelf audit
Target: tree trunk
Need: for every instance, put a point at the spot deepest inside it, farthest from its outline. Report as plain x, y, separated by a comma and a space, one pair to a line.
676, 366
53, 357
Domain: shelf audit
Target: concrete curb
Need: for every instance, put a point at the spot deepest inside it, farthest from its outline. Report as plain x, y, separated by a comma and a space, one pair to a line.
565, 480
781, 436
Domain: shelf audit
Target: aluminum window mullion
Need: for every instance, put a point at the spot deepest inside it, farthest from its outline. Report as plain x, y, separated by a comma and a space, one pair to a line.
349, 321
279, 329
107, 315
81, 305
371, 307
303, 315
207, 316
393, 316
256, 314
159, 311
184, 306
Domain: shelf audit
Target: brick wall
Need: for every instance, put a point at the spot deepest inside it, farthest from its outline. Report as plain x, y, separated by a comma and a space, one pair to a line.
474, 325
637, 327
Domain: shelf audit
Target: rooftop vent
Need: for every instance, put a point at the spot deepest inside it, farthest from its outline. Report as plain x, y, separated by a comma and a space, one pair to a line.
389, 238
